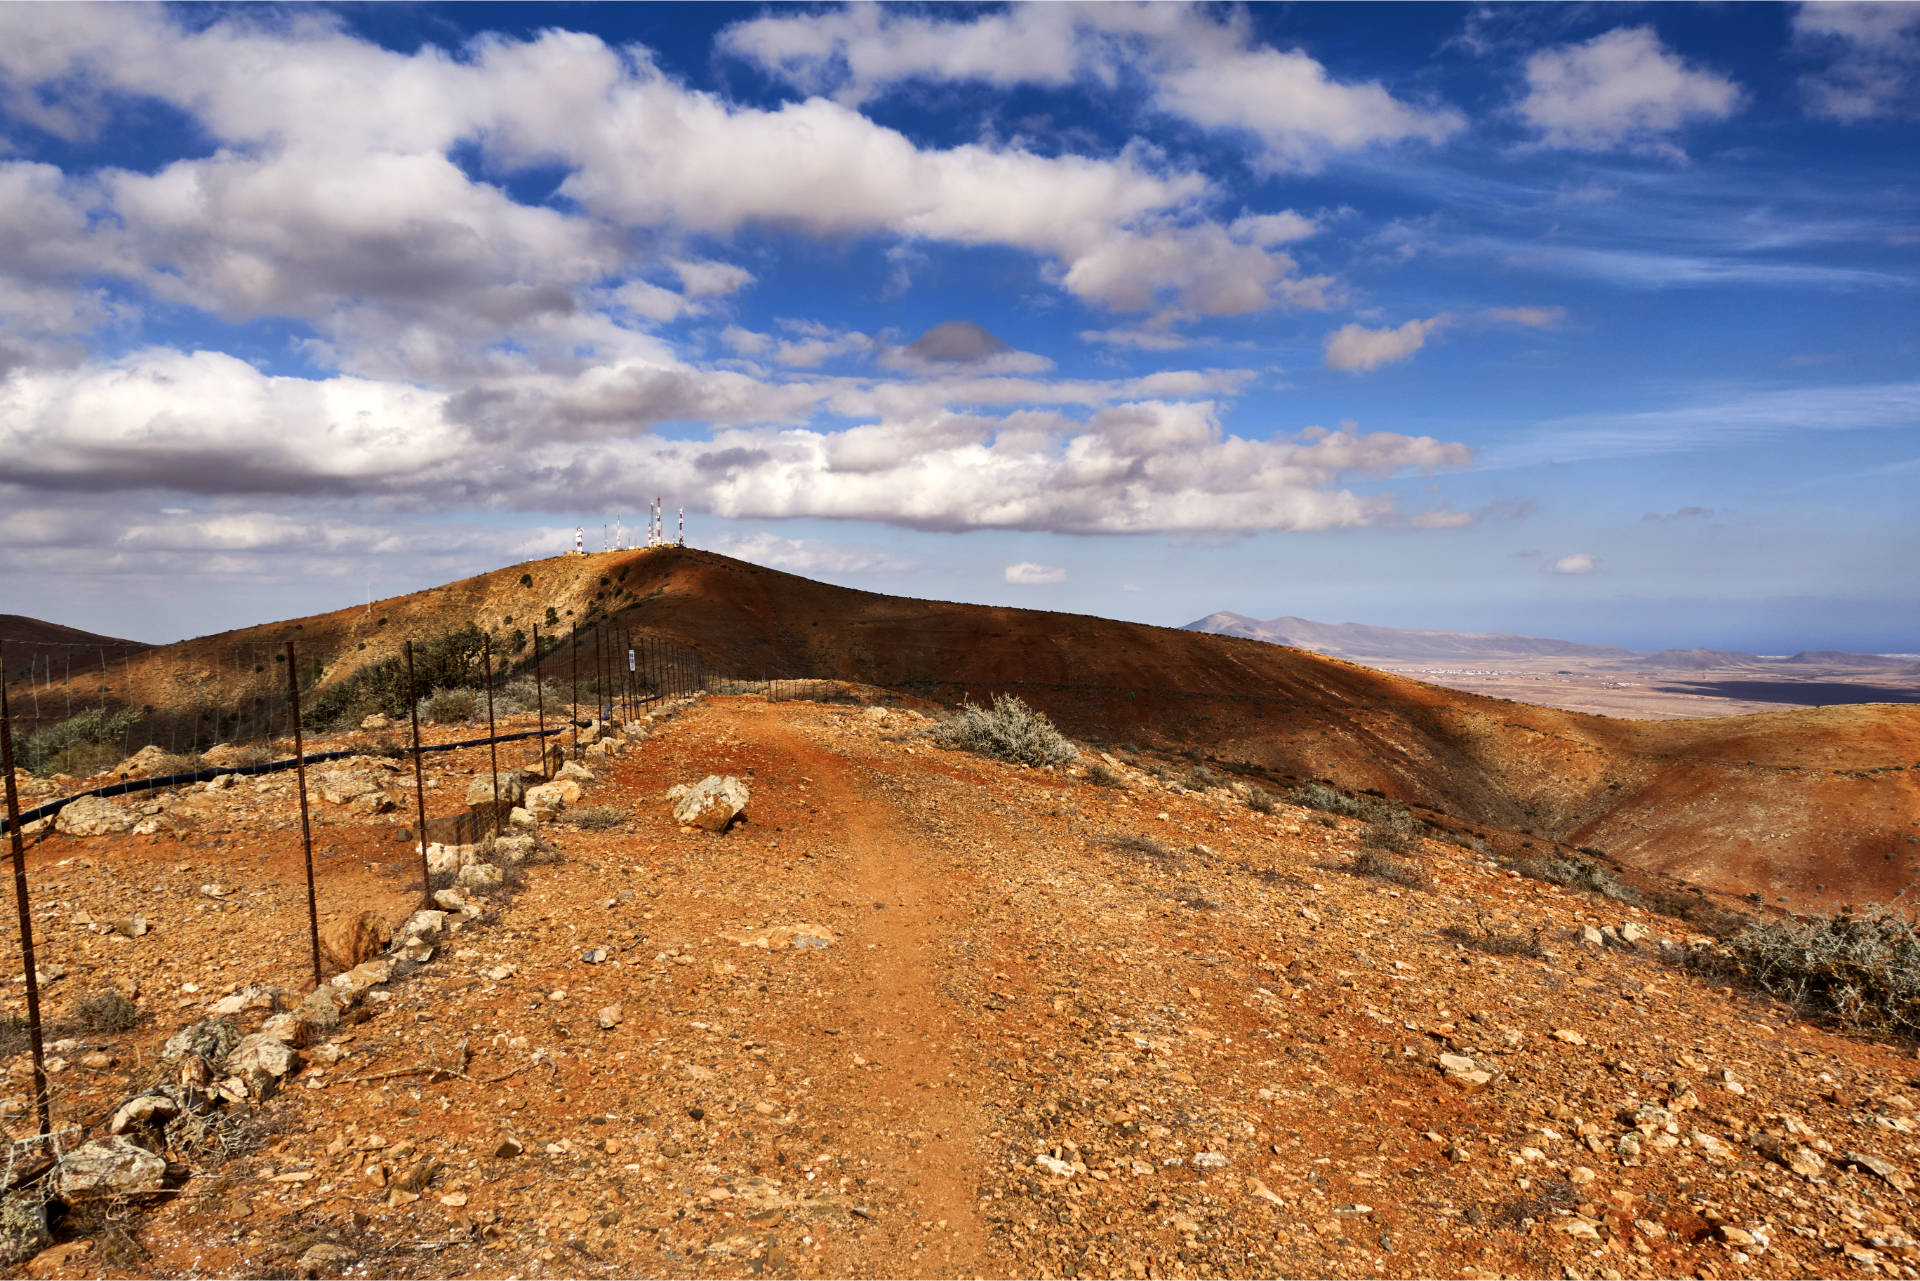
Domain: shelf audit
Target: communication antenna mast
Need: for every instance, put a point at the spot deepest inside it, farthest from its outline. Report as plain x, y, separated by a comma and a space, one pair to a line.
619, 536
580, 540
682, 540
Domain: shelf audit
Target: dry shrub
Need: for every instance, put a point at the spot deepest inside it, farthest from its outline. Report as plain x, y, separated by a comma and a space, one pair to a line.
450, 706
1863, 970
1100, 776
1486, 937
1008, 731
1383, 868
107, 1010
597, 818
1262, 802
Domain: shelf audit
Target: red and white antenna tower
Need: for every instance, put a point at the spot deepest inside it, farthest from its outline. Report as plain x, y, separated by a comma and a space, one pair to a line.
580, 540
682, 540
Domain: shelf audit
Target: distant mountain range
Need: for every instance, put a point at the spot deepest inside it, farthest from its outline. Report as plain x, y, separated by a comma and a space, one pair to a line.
1362, 642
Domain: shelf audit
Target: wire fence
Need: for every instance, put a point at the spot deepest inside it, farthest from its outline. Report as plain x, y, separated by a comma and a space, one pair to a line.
85, 737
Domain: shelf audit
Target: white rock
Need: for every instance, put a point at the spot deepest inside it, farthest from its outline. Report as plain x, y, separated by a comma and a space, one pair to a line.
92, 816
480, 876
712, 803
262, 1055
110, 1167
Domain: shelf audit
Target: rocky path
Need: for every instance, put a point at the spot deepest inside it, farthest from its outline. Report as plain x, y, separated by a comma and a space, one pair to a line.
922, 1014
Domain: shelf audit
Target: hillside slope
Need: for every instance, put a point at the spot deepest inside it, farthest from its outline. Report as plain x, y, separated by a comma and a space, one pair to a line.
1814, 806
32, 643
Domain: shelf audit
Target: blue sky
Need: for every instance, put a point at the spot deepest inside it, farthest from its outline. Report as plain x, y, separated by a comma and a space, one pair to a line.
1596, 321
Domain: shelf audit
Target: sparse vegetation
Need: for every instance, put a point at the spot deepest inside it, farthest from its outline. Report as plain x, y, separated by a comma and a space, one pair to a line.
1261, 801
1384, 868
597, 818
1486, 937
85, 743
1200, 778
107, 1010
1101, 776
1574, 873
450, 706
1008, 731
450, 661
1860, 969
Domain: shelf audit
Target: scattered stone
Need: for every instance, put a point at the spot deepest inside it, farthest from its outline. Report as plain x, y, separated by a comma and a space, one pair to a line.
595, 956
1569, 1036
509, 1148
375, 721
1634, 932
1054, 1166
131, 927
449, 900
1209, 1160
513, 850
521, 819
1881, 1169
777, 936
575, 771
319, 1009
111, 1166
712, 803
609, 1017
92, 816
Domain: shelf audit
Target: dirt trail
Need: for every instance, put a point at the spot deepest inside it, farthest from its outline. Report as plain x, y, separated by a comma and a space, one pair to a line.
894, 1009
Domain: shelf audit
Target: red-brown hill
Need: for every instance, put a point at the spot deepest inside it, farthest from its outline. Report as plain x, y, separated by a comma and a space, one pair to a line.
1813, 806
33, 644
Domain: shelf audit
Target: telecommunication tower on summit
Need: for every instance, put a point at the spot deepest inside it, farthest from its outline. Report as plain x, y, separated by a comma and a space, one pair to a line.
580, 540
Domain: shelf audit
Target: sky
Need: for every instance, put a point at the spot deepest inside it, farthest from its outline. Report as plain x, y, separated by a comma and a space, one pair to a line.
1595, 321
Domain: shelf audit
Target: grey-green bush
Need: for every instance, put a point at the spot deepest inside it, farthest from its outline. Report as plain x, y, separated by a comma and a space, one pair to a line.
1862, 969
1009, 731
451, 706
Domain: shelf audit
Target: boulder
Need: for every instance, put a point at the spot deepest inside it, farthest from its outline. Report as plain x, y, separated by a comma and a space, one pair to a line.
376, 721
288, 1029
209, 1039
92, 816
480, 876
449, 901
513, 850
348, 941
23, 1227
112, 1166
363, 976
549, 799
521, 819
423, 924
146, 1110
480, 789
320, 1009
262, 1054
224, 756
148, 760
575, 771
254, 996
343, 786
712, 803
449, 859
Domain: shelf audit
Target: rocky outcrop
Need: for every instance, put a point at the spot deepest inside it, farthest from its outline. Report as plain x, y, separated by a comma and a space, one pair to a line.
111, 1166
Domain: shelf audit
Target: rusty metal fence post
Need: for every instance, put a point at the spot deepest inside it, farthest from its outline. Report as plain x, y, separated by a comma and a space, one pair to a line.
540, 699
573, 671
43, 1104
306, 829
493, 747
419, 782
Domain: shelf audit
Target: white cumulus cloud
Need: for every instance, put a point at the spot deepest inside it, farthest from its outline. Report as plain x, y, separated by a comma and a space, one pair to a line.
1578, 563
1356, 348
1622, 89
1028, 574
